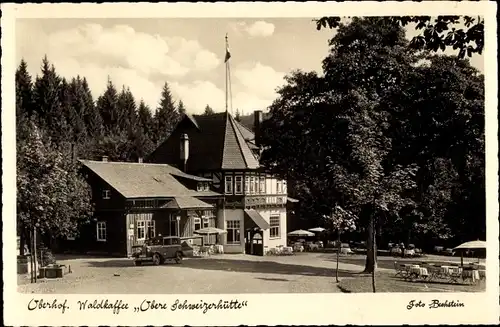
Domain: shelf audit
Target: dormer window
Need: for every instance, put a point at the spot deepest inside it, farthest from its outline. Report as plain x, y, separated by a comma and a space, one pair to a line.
199, 187
206, 186
106, 194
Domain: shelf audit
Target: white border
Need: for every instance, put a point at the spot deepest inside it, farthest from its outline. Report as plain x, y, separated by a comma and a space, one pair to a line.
296, 309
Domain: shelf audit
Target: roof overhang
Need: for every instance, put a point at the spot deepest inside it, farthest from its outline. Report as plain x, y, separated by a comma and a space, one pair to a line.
187, 202
292, 200
252, 217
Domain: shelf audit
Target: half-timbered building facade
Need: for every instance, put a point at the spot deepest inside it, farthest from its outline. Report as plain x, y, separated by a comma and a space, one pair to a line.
222, 150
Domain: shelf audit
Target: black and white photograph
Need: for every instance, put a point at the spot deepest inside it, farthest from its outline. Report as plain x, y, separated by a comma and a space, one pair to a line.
331, 153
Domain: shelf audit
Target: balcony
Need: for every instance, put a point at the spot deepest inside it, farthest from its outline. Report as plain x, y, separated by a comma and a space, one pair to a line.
262, 200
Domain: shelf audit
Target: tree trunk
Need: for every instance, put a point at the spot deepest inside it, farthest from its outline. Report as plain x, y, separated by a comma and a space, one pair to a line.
32, 264
371, 250
34, 254
374, 246
338, 254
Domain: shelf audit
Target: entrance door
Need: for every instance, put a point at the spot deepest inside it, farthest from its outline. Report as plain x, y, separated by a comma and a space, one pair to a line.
257, 244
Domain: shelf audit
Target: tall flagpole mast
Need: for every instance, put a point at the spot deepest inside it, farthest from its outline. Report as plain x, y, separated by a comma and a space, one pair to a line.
227, 46
228, 78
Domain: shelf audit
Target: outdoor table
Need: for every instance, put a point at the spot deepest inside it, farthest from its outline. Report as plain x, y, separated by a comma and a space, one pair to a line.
417, 271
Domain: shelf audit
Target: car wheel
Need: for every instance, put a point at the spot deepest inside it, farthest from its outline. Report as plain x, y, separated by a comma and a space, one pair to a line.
138, 263
178, 257
157, 259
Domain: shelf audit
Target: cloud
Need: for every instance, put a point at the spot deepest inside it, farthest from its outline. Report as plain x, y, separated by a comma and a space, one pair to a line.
261, 28
257, 29
196, 95
138, 60
259, 79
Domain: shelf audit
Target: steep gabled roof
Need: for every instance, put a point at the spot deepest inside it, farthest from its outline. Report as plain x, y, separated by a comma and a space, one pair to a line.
140, 180
216, 142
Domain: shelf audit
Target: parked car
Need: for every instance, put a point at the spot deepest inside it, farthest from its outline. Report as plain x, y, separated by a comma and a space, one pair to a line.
157, 250
396, 250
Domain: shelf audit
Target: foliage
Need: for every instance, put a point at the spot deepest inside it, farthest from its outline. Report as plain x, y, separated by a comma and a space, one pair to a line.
180, 108
51, 196
462, 33
166, 116
390, 134
208, 110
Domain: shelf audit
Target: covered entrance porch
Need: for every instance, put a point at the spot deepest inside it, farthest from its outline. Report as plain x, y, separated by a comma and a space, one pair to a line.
254, 225
180, 216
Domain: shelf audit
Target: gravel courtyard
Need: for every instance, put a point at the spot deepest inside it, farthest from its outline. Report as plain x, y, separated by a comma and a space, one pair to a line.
217, 274
236, 273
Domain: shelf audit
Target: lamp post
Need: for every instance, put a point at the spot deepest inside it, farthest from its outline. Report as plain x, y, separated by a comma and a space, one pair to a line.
178, 226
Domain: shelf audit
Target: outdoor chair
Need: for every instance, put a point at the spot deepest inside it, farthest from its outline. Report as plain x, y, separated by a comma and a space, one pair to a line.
470, 274
401, 270
454, 274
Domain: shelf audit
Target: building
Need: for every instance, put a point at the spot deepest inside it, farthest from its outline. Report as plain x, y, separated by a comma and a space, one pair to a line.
220, 149
136, 201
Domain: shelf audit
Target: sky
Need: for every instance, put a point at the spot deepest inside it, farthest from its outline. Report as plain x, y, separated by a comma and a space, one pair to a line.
186, 53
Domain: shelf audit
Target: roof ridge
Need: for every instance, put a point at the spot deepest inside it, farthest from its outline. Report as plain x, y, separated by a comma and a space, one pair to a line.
128, 163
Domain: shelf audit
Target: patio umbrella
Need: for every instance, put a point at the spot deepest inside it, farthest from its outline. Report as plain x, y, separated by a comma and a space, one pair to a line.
300, 232
317, 229
210, 231
472, 245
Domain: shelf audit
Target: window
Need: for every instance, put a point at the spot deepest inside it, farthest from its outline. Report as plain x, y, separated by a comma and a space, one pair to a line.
238, 187
141, 229
233, 231
229, 185
262, 185
256, 184
274, 232
106, 194
247, 185
199, 187
206, 186
101, 231
252, 185
208, 214
284, 187
205, 222
279, 185
151, 229
197, 223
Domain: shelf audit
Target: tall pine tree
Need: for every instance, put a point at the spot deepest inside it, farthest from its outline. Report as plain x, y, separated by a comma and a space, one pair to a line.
48, 109
180, 108
166, 116
208, 110
24, 98
92, 116
107, 105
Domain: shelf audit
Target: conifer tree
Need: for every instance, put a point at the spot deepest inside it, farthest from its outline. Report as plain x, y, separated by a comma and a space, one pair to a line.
127, 109
208, 110
48, 108
107, 105
180, 108
92, 116
24, 98
166, 116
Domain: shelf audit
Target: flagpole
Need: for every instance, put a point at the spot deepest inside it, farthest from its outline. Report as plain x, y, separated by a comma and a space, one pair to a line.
227, 46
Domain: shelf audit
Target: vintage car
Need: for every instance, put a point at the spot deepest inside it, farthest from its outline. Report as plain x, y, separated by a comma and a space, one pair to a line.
157, 250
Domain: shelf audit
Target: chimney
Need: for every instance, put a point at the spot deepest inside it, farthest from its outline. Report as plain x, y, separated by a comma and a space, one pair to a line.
257, 122
104, 158
184, 153
140, 160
